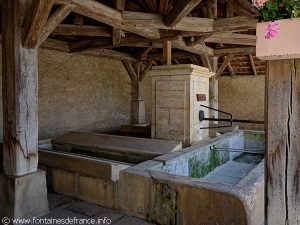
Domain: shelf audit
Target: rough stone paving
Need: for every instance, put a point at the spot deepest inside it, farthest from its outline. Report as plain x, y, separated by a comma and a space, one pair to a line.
62, 207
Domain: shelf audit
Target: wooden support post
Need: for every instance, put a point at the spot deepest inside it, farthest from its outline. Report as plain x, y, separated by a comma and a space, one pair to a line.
214, 94
117, 33
138, 114
283, 142
23, 187
167, 53
20, 77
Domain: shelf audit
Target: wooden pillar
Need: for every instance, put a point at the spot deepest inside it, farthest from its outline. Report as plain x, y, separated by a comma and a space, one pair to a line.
138, 113
19, 89
22, 188
283, 142
214, 94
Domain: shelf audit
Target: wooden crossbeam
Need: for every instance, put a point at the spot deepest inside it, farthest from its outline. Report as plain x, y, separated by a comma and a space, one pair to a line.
155, 21
223, 66
235, 51
58, 16
236, 23
82, 30
232, 38
35, 22
181, 9
107, 15
253, 65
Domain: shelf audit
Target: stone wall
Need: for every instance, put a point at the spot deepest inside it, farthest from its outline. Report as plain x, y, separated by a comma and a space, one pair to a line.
80, 93
243, 96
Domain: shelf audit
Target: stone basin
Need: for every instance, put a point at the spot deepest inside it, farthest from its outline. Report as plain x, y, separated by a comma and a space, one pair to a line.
205, 184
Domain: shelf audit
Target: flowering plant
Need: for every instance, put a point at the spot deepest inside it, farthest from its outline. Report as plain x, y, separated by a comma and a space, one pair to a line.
273, 10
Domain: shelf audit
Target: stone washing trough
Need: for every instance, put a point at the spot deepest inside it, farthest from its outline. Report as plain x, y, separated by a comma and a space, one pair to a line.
206, 184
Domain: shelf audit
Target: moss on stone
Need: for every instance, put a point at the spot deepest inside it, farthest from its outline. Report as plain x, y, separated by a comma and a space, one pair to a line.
198, 169
258, 136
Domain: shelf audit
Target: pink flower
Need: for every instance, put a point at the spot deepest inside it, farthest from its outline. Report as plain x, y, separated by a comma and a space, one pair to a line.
258, 3
272, 29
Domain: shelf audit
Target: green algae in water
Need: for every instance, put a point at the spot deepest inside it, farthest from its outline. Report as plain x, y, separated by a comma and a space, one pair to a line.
199, 169
258, 136
249, 158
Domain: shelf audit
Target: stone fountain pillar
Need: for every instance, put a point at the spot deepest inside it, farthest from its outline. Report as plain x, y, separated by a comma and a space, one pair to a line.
177, 93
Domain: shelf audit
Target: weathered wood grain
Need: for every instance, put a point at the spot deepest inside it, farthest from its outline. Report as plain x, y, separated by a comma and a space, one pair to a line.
167, 53
35, 21
58, 16
20, 79
283, 143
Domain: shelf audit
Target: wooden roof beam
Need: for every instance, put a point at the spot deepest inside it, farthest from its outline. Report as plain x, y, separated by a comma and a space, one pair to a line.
235, 51
181, 9
35, 22
58, 16
232, 38
155, 21
107, 15
82, 30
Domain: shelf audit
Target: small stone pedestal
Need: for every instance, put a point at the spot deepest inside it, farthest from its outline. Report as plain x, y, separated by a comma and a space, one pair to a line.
177, 93
23, 197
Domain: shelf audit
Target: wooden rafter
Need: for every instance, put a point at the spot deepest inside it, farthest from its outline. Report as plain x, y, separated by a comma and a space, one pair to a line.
35, 22
181, 9
223, 66
58, 16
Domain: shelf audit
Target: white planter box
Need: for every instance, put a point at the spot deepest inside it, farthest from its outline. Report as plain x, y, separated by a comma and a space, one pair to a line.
286, 45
